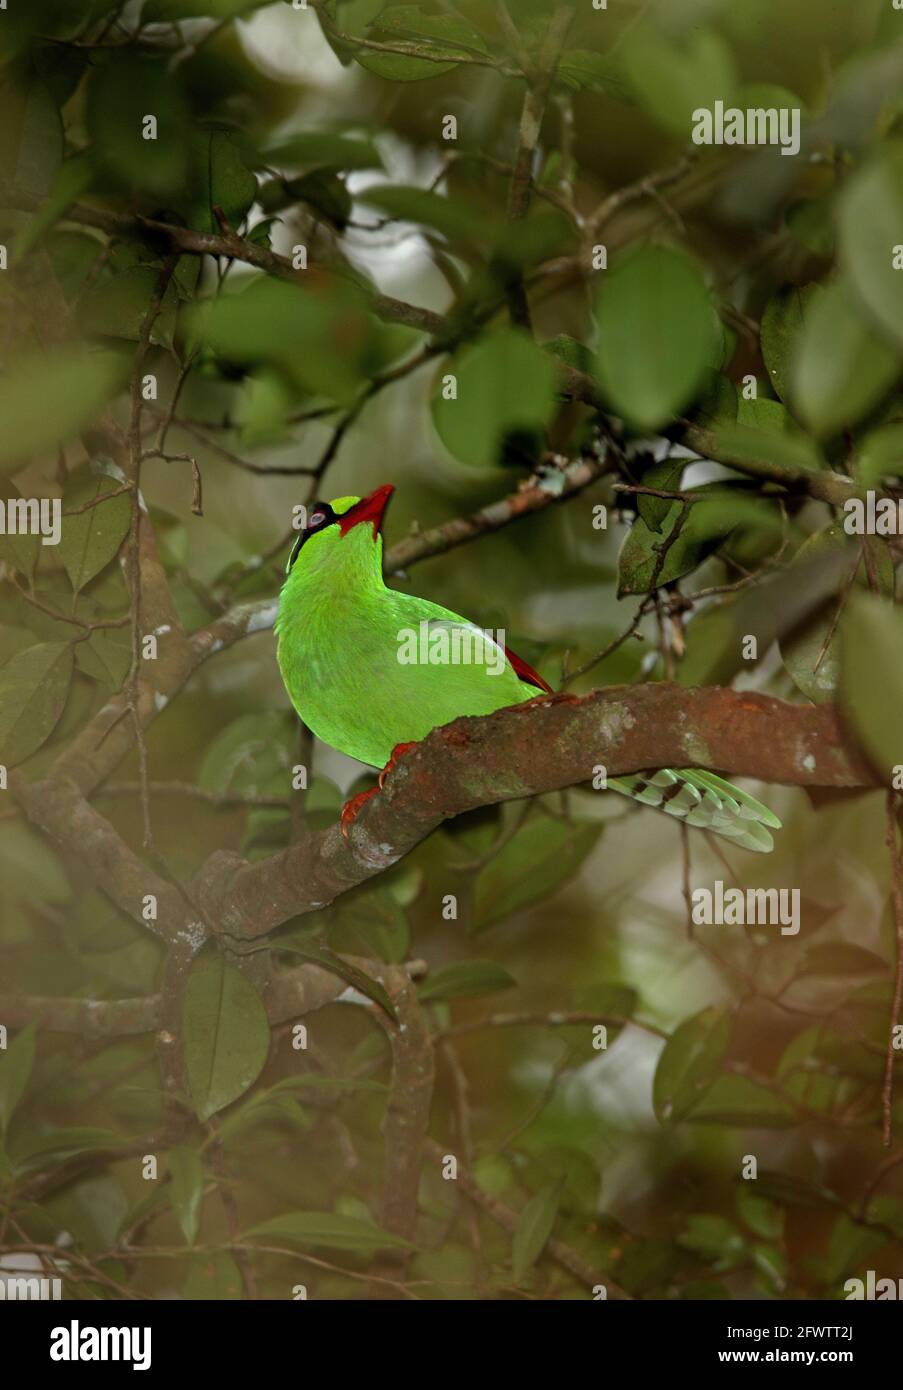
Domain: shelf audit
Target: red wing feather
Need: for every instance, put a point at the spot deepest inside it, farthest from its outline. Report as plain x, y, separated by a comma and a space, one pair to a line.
526, 673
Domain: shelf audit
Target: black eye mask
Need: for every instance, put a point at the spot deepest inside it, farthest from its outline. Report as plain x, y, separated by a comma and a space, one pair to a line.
319, 517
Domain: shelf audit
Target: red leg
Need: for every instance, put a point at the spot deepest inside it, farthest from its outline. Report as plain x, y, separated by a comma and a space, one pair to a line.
351, 808
397, 752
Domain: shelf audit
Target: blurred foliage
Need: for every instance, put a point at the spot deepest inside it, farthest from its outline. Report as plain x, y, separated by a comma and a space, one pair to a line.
325, 129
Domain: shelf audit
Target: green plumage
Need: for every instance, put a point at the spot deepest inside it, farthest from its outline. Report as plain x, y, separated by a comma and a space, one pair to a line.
338, 640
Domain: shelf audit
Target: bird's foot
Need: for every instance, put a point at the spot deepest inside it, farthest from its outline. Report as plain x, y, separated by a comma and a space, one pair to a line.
397, 752
351, 808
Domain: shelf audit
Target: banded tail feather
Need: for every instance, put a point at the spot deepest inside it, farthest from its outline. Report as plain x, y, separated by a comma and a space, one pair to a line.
703, 800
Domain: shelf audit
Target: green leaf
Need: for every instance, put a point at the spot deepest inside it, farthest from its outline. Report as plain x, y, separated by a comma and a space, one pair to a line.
325, 192
320, 955
274, 1109
782, 324
811, 652
843, 366
168, 11
326, 1229
396, 67
255, 753
705, 526
665, 476
690, 1061
504, 383
792, 1191
658, 335
671, 81
879, 454
45, 400
31, 135
570, 351
329, 148
444, 36
271, 1101
595, 72
375, 920
541, 857
321, 341
459, 222
106, 656
214, 1277
16, 1062
791, 449
842, 958
763, 1217
34, 685
466, 979
117, 307
714, 1238
413, 22
91, 538
30, 872
811, 221
736, 1100
764, 415
122, 94
20, 547
186, 1173
534, 1228
59, 1145
227, 1034
871, 677
71, 180
870, 218
850, 1245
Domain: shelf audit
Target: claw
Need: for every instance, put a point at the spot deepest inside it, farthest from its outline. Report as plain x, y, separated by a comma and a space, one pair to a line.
397, 752
351, 808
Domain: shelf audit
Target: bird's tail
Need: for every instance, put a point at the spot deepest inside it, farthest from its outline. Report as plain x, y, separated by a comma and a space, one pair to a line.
704, 800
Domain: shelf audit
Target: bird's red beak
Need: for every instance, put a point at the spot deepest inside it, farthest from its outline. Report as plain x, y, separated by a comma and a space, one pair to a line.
370, 509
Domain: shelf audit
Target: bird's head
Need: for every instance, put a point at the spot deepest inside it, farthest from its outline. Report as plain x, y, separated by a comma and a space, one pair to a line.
345, 528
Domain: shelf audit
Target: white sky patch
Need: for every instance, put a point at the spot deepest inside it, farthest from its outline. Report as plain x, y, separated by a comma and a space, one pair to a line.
289, 45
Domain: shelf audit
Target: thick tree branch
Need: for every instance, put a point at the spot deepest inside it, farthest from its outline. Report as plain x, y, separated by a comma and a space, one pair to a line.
290, 993
524, 751
60, 810
89, 1018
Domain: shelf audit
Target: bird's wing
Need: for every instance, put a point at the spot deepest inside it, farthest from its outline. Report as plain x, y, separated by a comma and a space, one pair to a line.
521, 668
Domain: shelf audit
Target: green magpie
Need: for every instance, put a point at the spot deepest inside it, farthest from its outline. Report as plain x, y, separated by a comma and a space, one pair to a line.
340, 633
